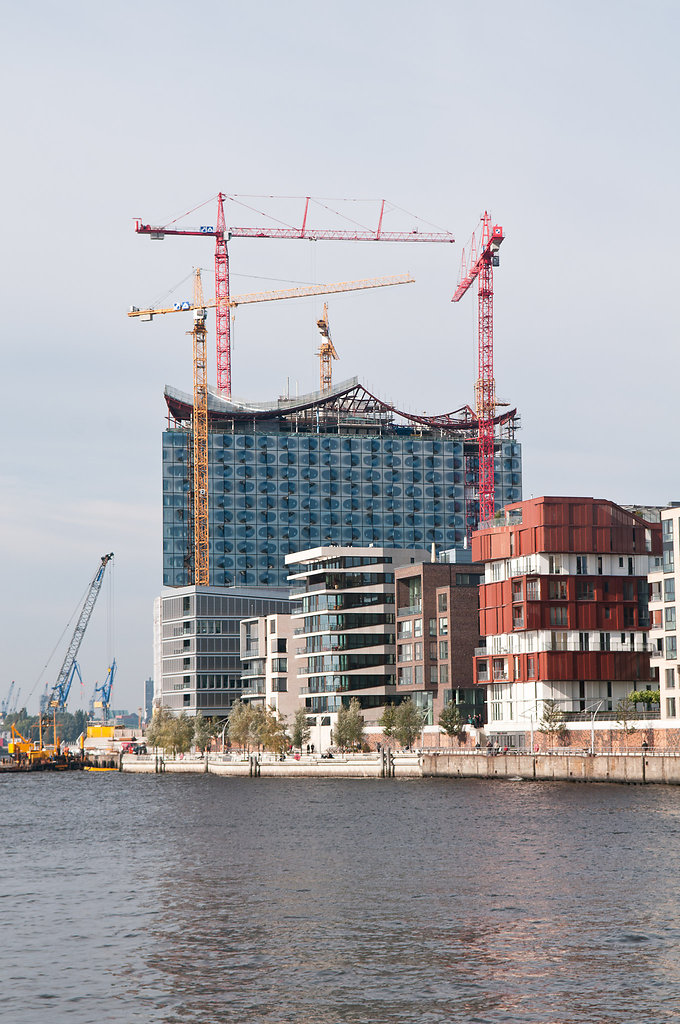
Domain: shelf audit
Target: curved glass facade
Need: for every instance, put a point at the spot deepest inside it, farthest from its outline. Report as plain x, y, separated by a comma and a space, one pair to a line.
273, 493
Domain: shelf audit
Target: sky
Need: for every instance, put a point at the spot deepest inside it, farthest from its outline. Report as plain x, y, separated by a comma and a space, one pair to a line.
560, 119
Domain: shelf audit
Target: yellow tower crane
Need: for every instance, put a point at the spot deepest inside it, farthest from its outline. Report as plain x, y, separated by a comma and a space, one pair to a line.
200, 408
326, 352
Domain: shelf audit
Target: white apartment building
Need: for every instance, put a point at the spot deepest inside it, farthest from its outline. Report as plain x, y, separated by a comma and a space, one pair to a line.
664, 584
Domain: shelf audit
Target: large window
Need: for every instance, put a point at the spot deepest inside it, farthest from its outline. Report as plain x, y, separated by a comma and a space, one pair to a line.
671, 648
442, 604
558, 616
669, 589
558, 590
581, 565
443, 650
670, 678
443, 625
669, 617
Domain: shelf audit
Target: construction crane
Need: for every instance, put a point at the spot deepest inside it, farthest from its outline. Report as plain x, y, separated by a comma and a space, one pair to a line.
6, 704
282, 293
478, 263
221, 233
326, 352
60, 690
199, 492
104, 703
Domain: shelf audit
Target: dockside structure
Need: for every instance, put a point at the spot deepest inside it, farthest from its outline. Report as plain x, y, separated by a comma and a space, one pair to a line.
338, 467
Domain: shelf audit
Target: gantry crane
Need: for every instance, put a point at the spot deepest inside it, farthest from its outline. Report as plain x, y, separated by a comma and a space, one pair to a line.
326, 352
478, 263
221, 233
200, 408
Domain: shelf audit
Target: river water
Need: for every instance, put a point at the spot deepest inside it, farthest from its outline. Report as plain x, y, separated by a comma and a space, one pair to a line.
199, 899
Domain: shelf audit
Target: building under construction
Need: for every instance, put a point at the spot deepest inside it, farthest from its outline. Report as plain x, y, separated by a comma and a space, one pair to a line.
338, 466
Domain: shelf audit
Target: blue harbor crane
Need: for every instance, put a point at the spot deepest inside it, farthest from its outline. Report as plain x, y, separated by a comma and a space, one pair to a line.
105, 690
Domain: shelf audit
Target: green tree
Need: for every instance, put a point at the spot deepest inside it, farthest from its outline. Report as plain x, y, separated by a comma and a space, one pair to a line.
552, 721
272, 731
647, 697
203, 731
180, 733
159, 732
349, 727
300, 731
410, 722
626, 715
240, 724
388, 721
451, 720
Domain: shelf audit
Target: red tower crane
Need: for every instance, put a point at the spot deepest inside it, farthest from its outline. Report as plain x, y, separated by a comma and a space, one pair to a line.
221, 234
478, 262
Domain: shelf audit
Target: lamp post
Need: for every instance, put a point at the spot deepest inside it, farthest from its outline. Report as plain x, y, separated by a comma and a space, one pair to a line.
596, 708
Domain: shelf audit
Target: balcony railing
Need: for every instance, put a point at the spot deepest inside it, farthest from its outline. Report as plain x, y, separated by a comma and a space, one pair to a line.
411, 609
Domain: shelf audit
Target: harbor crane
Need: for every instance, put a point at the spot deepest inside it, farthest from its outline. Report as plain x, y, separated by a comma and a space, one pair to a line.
221, 233
477, 264
60, 691
104, 700
199, 491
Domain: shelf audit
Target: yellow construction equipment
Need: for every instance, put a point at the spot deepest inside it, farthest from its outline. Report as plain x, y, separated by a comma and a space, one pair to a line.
326, 352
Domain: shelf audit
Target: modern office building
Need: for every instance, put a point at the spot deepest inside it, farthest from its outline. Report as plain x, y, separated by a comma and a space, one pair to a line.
564, 610
437, 608
336, 467
197, 644
663, 606
268, 666
346, 627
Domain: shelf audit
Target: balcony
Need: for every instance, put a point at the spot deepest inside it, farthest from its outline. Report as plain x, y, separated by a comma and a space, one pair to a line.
411, 609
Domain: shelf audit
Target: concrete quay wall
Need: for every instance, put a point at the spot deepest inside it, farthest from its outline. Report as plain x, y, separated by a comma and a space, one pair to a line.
636, 769
404, 766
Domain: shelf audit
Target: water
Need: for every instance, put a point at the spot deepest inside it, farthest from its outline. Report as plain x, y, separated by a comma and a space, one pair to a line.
198, 899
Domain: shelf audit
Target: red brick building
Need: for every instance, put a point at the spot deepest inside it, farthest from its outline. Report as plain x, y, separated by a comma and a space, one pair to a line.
563, 608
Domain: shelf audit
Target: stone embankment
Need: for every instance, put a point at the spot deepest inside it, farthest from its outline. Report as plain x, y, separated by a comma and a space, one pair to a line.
634, 768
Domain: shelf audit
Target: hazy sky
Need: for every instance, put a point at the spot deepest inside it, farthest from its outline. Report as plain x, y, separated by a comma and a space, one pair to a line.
561, 119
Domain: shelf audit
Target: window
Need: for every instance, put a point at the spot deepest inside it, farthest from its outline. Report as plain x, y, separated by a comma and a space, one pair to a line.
186, 643
607, 612
442, 605
418, 675
516, 672
669, 589
500, 668
558, 616
417, 627
531, 670
279, 664
533, 590
405, 676
518, 617
405, 652
418, 652
599, 565
605, 641
554, 564
443, 625
585, 590
405, 629
669, 617
272, 623
671, 648
482, 670
433, 650
670, 678
630, 566
433, 675
186, 662
620, 562
433, 627
558, 641
518, 591
443, 675
581, 565
584, 641
557, 590
670, 707
443, 650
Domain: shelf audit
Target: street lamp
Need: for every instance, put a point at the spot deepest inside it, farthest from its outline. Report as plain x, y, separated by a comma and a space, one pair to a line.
592, 723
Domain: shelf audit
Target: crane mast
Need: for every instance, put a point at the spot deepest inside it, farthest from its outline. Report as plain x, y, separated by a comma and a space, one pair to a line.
60, 690
478, 264
326, 352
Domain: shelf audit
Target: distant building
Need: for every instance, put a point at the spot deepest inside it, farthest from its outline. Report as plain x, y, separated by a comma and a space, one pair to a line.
148, 699
197, 640
338, 467
437, 607
664, 598
563, 609
346, 639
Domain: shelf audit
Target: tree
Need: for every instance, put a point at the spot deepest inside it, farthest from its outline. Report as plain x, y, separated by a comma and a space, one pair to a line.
626, 715
388, 722
552, 720
300, 729
451, 720
349, 727
203, 731
410, 722
648, 697
158, 733
272, 731
240, 724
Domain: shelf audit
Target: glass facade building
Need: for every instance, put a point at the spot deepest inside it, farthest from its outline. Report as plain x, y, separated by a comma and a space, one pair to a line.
339, 467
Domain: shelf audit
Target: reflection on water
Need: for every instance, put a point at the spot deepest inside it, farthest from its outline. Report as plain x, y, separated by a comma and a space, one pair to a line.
201, 899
